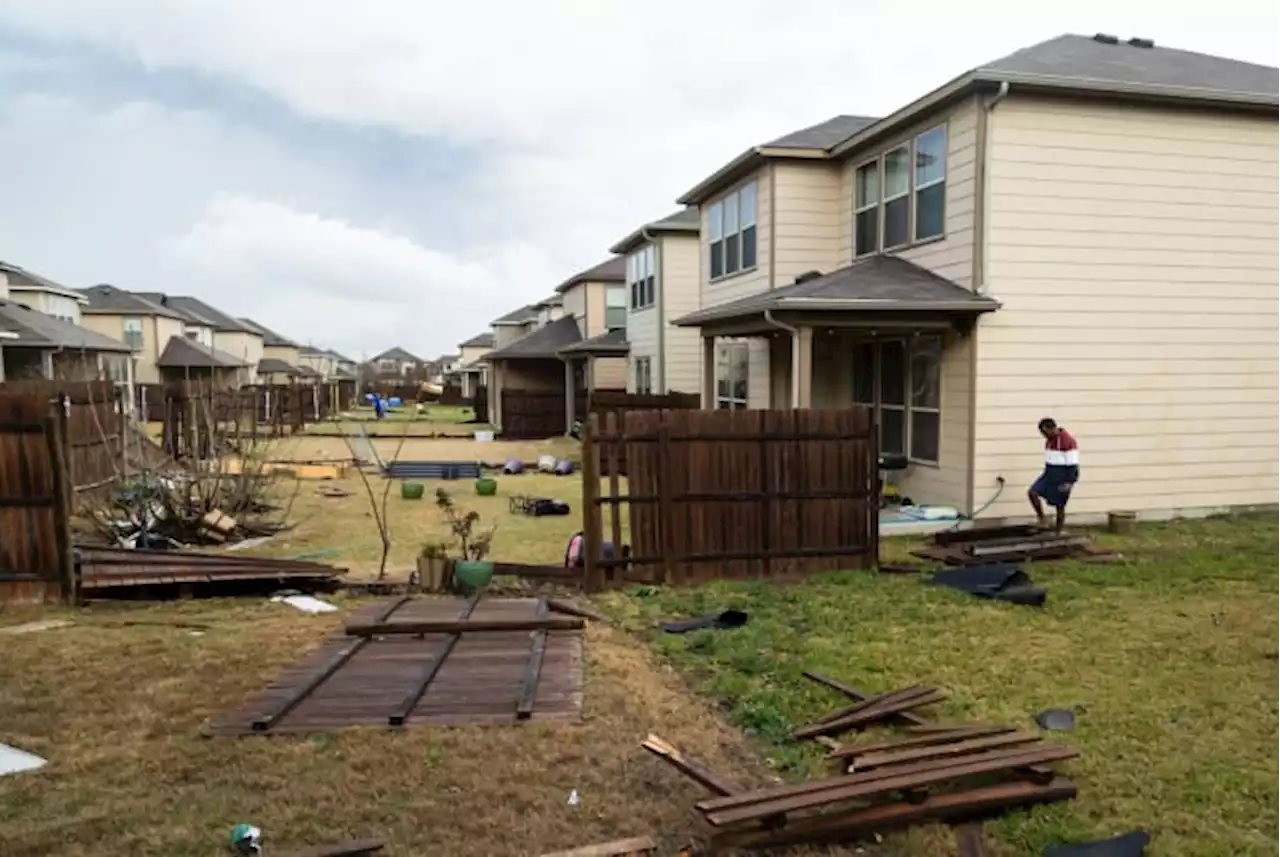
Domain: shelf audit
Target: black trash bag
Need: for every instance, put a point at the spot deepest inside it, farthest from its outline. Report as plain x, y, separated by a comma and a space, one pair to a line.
1003, 581
718, 621
1133, 844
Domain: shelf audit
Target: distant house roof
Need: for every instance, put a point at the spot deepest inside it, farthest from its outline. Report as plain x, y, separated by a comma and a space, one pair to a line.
546, 341
275, 366
613, 270
612, 343
872, 284
270, 339
305, 371
517, 316
31, 329
20, 278
183, 352
396, 353
687, 221
199, 312
339, 357
480, 340
105, 299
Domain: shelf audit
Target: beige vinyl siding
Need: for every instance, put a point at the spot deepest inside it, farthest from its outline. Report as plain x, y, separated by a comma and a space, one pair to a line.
642, 326
288, 354
505, 334
472, 353
609, 373
678, 258
754, 280
243, 346
806, 220
952, 255
1134, 251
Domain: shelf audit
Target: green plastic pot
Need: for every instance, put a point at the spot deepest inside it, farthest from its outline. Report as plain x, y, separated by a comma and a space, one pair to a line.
486, 487
412, 490
472, 574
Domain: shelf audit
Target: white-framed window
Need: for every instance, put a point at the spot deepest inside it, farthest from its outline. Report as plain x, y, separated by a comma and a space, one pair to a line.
731, 232
731, 377
643, 373
615, 308
900, 198
641, 280
133, 332
901, 379
63, 308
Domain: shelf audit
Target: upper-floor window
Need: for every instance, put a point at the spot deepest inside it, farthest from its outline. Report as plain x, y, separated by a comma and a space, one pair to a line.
615, 308
900, 197
731, 227
64, 309
133, 332
640, 277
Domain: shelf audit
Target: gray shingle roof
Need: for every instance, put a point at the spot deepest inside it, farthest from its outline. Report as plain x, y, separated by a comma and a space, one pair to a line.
546, 341
686, 220
613, 270
341, 358
183, 352
1091, 63
614, 342
824, 135
874, 284
214, 317
517, 316
395, 353
19, 276
270, 338
105, 299
275, 366
37, 330
480, 340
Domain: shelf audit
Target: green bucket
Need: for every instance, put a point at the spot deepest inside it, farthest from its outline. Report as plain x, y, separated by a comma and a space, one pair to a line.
486, 487
472, 574
412, 490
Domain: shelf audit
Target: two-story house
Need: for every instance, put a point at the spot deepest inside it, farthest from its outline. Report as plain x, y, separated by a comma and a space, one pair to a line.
472, 371
1085, 229
663, 284
570, 344
280, 355
396, 362
216, 330
41, 335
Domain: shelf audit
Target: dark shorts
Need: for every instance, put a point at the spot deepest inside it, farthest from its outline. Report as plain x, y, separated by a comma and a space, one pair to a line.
1049, 486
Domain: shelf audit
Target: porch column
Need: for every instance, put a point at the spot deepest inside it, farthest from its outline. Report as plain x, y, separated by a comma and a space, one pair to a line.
802, 368
708, 373
46, 365
569, 395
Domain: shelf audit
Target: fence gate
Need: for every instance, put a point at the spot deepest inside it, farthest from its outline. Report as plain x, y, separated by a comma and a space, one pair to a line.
728, 494
35, 501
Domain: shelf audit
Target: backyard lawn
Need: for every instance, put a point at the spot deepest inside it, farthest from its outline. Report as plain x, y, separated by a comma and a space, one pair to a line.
1169, 655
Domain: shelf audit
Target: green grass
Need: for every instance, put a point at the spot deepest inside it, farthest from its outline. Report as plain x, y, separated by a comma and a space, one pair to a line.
1170, 654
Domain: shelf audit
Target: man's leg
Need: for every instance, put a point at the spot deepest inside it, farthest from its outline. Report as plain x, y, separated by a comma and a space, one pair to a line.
1060, 518
1037, 506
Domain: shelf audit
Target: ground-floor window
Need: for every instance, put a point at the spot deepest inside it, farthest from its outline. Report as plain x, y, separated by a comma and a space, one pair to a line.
643, 373
901, 379
731, 376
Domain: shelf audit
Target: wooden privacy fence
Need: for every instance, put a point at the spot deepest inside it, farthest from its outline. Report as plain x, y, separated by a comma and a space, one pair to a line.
480, 404
728, 494
534, 415
603, 403
35, 500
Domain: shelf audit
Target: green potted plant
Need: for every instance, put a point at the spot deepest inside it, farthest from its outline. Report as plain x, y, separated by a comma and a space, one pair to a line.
433, 566
471, 569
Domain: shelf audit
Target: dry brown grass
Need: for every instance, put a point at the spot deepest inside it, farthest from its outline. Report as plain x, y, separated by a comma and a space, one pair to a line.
307, 447
117, 710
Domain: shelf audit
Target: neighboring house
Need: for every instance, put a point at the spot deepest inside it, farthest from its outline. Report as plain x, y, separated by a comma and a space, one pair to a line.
1084, 229
143, 325
663, 284
40, 336
280, 355
186, 358
574, 343
395, 362
343, 367
317, 360
215, 329
473, 372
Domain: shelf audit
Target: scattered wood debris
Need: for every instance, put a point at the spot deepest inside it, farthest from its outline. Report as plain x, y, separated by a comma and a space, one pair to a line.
354, 848
984, 545
118, 571
640, 846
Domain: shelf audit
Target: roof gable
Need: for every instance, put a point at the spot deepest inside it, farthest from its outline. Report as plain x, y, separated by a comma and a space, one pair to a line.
270, 339
612, 270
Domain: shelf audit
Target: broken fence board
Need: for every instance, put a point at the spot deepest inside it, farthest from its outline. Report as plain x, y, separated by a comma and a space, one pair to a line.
692, 768
462, 626
941, 751
533, 667
848, 751
616, 848
401, 714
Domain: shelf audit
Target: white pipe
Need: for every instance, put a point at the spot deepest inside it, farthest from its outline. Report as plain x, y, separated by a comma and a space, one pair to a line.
795, 355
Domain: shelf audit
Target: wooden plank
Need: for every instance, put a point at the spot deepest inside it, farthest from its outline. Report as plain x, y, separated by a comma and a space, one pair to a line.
615, 489
533, 667
941, 751
692, 768
463, 626
859, 695
784, 799
918, 740
265, 721
62, 493
871, 711
592, 526
859, 822
616, 848
570, 608
865, 704
420, 685
392, 606
354, 848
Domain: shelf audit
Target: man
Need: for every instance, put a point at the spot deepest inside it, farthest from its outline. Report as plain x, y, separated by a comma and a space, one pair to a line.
1061, 472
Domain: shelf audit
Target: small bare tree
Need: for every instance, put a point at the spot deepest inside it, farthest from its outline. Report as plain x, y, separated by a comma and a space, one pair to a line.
378, 504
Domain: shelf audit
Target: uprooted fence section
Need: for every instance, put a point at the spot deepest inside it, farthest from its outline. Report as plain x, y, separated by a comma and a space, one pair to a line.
728, 494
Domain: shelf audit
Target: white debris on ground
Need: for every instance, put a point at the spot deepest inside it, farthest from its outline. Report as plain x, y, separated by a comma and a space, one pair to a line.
13, 760
31, 627
305, 603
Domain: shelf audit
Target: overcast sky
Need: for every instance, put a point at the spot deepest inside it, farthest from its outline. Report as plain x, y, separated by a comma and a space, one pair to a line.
363, 174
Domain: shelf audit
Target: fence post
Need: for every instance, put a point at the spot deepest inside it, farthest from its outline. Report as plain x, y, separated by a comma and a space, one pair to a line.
56, 432
592, 537
666, 507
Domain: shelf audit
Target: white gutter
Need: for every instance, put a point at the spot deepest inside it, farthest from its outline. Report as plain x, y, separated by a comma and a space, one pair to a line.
795, 356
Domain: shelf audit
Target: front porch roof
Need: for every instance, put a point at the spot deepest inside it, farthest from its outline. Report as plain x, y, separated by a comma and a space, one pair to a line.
876, 284
611, 344
545, 342
33, 329
182, 352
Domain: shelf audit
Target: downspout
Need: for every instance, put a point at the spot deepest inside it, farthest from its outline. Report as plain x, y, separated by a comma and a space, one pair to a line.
979, 283
660, 307
795, 363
